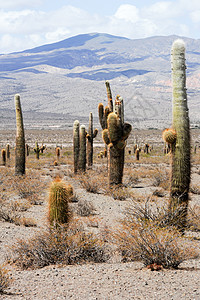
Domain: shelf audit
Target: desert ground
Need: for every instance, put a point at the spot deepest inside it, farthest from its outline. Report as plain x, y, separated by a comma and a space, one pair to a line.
100, 211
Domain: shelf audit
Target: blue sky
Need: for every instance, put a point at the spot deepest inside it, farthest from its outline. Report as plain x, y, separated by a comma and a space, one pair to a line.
26, 24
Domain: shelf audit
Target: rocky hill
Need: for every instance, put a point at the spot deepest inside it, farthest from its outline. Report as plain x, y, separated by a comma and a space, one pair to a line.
63, 81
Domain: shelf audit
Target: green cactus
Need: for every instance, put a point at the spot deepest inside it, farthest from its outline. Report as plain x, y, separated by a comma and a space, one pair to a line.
3, 156
90, 136
115, 137
76, 144
82, 150
79, 147
20, 159
37, 150
59, 196
180, 149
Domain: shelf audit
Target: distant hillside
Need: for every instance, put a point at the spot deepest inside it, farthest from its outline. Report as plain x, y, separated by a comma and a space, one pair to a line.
68, 77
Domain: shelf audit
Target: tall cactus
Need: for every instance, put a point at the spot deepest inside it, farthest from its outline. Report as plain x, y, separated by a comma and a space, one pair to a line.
76, 144
20, 160
115, 137
90, 136
179, 136
82, 150
79, 147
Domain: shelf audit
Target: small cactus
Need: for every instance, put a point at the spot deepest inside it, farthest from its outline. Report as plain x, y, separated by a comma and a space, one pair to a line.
8, 151
169, 136
37, 150
137, 153
59, 196
90, 136
58, 153
3, 156
20, 159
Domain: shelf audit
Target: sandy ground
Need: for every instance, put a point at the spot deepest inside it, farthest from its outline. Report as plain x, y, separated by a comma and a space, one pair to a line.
113, 280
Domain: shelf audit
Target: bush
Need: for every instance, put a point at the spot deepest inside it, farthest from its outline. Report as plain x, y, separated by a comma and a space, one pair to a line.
4, 279
61, 245
84, 208
147, 235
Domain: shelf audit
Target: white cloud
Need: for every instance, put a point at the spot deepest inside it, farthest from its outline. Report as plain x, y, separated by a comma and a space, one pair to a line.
17, 4
128, 13
28, 28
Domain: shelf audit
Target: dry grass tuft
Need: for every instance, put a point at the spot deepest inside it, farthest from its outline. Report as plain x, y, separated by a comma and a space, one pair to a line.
4, 279
62, 246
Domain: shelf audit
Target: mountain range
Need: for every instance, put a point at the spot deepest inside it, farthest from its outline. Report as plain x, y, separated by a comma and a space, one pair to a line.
63, 81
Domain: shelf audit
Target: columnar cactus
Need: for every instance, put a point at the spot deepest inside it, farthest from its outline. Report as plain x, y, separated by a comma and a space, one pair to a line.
76, 144
58, 153
90, 136
20, 160
79, 147
8, 151
115, 137
37, 150
27, 149
59, 196
180, 146
82, 150
3, 156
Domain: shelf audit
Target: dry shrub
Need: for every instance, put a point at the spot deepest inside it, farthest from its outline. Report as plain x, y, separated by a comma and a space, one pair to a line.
131, 178
146, 238
10, 212
120, 193
62, 246
161, 178
84, 208
193, 218
92, 181
4, 279
29, 186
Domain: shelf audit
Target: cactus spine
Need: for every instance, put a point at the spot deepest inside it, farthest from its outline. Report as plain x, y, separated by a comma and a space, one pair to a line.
20, 139
90, 136
59, 197
180, 176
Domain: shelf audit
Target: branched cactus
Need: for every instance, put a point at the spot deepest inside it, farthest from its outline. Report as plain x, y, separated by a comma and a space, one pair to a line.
37, 150
179, 136
114, 136
90, 136
20, 160
3, 156
59, 196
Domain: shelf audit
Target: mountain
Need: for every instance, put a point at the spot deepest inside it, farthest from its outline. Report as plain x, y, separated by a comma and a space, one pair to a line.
67, 78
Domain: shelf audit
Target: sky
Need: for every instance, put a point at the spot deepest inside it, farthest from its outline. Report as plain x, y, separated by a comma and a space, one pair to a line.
26, 24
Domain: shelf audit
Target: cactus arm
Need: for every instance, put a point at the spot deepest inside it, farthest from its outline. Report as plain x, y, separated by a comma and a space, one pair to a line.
20, 160
109, 95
